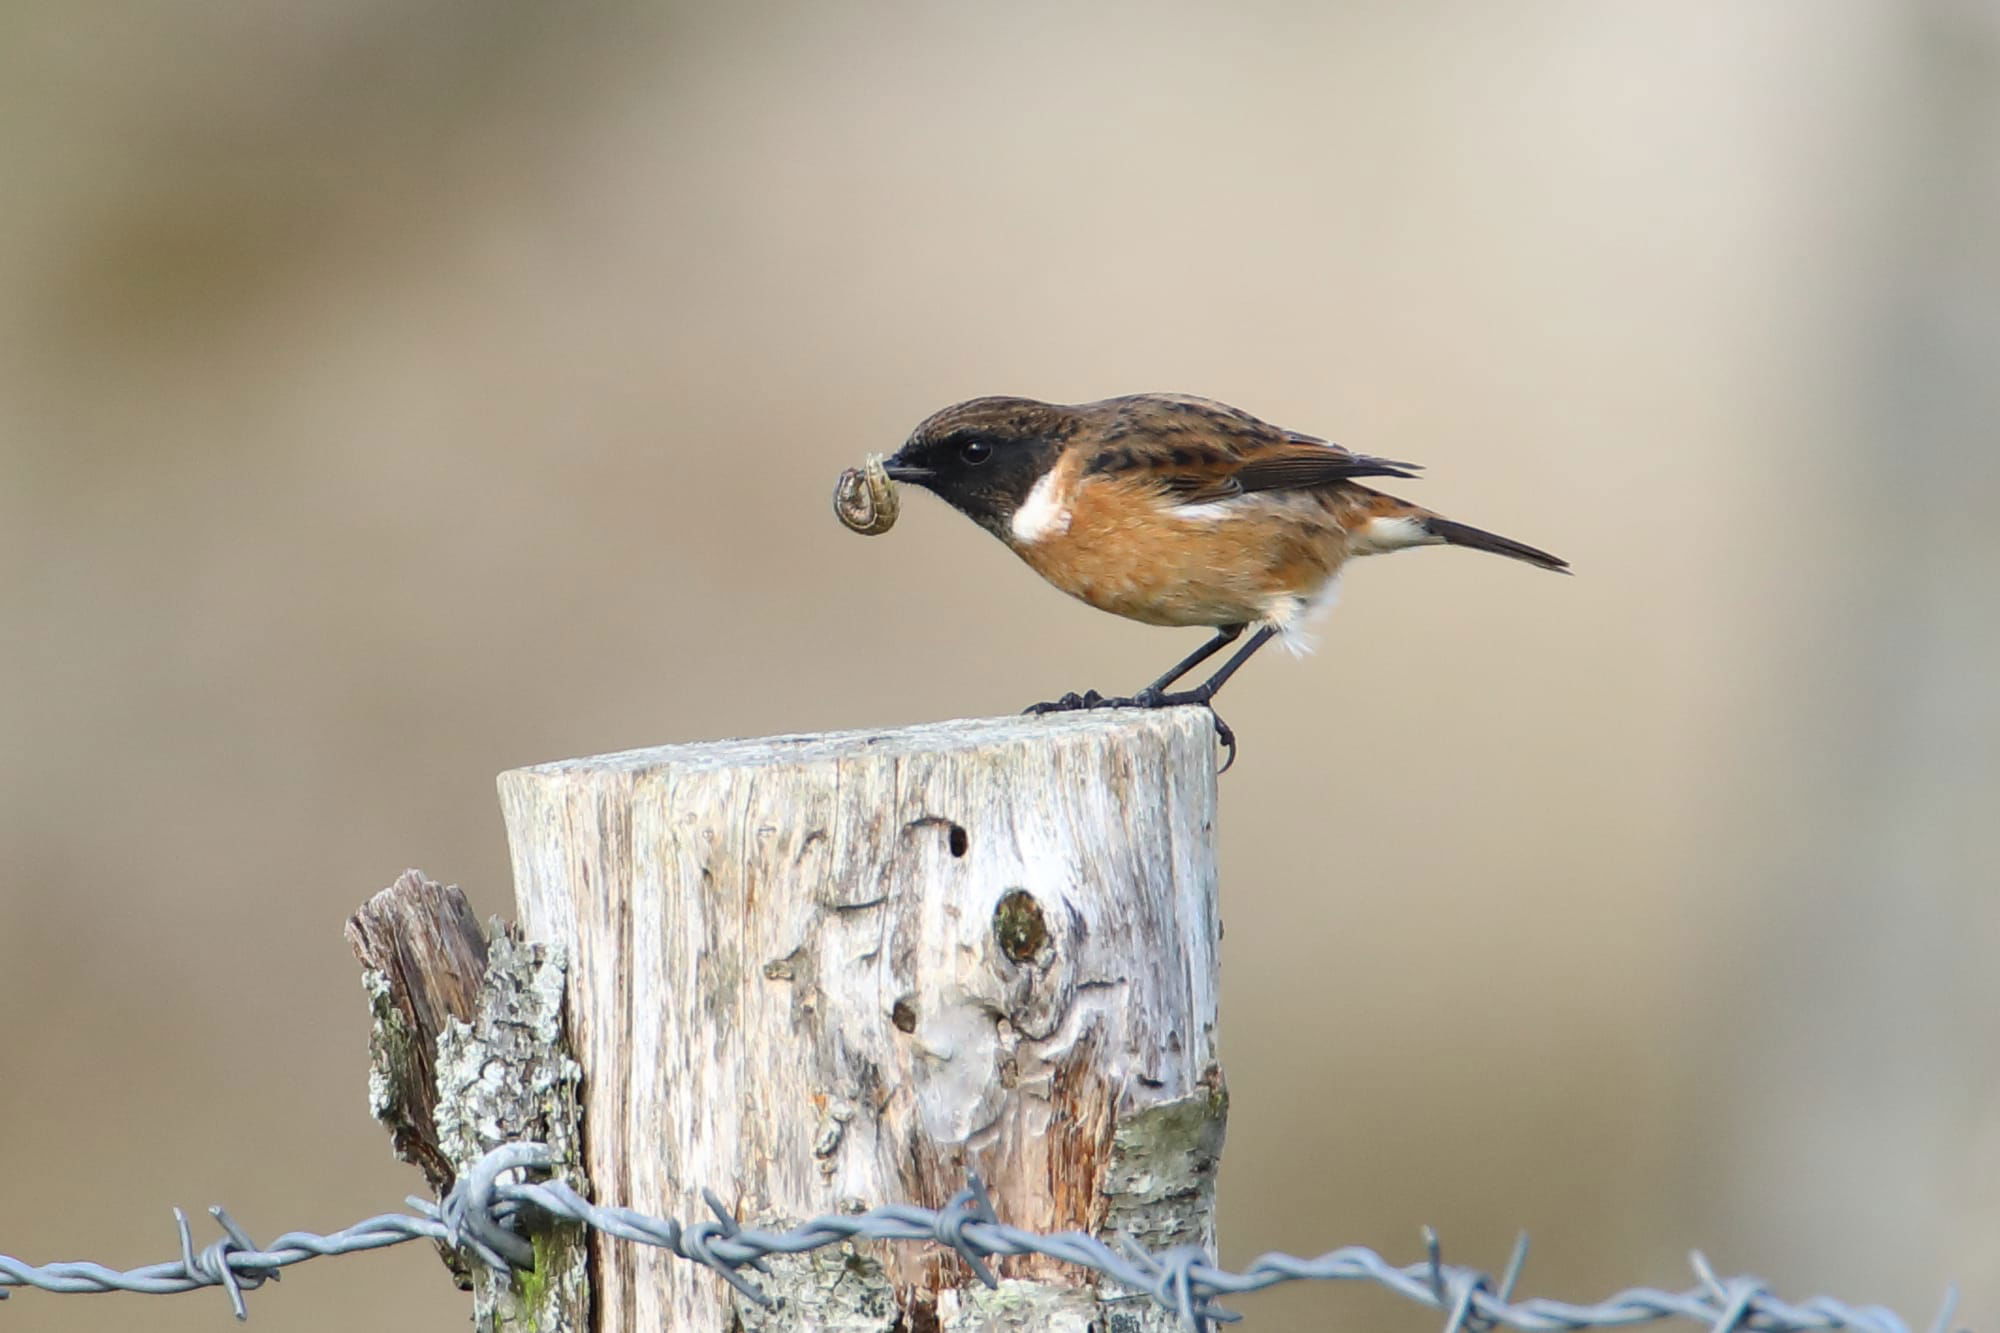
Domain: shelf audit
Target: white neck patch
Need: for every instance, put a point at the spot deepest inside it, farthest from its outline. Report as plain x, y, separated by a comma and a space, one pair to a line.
1041, 515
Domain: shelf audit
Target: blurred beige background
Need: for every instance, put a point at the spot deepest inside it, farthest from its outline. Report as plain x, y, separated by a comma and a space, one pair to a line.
391, 394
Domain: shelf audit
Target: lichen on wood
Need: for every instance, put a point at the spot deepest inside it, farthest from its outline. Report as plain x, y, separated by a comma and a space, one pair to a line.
834, 1289
467, 1053
507, 1077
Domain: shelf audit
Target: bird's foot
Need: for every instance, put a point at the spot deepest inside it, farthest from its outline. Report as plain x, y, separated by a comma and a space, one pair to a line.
1072, 702
1149, 697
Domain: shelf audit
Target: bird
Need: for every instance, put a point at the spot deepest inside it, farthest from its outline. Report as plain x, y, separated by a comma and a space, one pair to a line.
1176, 510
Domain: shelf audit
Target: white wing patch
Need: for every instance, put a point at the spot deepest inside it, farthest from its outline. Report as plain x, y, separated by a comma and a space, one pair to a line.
1206, 511
1042, 515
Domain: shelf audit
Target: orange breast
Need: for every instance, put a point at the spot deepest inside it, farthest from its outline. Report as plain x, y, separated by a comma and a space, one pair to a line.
1229, 563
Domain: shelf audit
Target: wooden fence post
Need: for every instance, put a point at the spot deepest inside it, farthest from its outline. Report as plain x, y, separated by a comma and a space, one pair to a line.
822, 973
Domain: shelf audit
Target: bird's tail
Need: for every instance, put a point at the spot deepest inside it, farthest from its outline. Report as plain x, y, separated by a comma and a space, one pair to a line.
1478, 539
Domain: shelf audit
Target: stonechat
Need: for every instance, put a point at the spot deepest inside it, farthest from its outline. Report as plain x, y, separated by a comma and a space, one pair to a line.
1175, 510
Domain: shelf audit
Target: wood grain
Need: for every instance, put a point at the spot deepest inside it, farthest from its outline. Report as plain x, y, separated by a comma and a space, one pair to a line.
828, 972
423, 954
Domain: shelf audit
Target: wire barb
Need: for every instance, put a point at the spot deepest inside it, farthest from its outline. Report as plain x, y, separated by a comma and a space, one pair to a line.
971, 1204
507, 1192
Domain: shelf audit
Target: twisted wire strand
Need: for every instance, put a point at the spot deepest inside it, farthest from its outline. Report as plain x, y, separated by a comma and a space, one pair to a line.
488, 1216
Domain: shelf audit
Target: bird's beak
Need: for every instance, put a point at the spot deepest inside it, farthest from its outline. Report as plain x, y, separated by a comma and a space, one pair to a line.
904, 472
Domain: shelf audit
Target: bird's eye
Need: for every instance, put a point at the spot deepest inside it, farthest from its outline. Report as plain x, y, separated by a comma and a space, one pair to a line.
975, 452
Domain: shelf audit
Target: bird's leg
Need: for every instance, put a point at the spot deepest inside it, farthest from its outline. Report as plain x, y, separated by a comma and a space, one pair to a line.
1208, 689
1092, 699
1224, 636
1204, 693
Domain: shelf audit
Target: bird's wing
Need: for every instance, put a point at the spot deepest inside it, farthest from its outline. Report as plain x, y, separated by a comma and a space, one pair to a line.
1301, 466
1199, 450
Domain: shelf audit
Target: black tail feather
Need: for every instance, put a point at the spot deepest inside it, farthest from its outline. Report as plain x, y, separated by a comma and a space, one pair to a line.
1478, 539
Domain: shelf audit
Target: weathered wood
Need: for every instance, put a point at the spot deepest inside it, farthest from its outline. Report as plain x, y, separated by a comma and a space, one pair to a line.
829, 972
422, 955
468, 1053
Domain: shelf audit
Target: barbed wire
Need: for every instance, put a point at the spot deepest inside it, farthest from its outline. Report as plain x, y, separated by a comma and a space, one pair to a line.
488, 1215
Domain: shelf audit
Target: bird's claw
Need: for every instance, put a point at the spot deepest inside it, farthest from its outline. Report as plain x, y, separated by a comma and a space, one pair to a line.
1198, 698
1069, 703
1226, 737
1089, 699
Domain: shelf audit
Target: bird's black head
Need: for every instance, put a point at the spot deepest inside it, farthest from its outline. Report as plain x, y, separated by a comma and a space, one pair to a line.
982, 457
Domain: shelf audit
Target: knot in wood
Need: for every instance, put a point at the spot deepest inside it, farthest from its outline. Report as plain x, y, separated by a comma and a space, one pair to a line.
1018, 925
